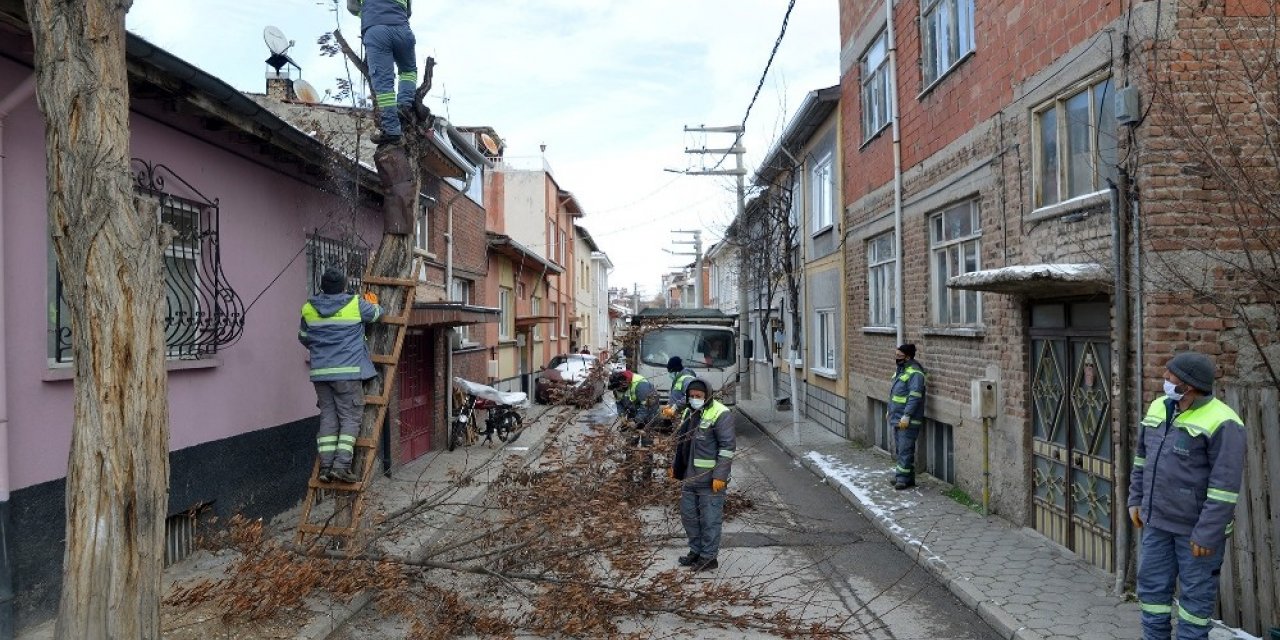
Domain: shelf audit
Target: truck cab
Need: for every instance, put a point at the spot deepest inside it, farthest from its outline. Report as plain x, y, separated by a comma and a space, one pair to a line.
705, 339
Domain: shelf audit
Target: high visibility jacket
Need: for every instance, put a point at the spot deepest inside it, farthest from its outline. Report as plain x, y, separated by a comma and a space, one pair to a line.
906, 395
705, 444
635, 404
332, 329
1187, 469
678, 384
378, 12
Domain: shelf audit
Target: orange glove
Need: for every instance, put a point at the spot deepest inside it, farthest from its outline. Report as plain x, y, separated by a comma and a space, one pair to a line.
671, 472
718, 485
370, 297
1136, 517
669, 412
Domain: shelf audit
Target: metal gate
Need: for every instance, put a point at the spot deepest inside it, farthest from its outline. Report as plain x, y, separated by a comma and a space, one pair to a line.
1073, 471
416, 400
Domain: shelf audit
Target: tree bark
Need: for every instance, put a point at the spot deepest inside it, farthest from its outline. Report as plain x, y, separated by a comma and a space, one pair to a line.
109, 251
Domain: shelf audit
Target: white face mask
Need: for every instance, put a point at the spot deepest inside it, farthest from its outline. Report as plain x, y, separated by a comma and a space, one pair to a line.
696, 403
1171, 390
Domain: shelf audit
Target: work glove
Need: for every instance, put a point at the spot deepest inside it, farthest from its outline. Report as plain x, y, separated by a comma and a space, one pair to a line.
904, 422
718, 485
671, 473
669, 412
370, 297
1136, 517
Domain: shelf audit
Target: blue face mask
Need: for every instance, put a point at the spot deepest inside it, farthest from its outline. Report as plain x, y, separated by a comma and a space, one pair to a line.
696, 403
1171, 390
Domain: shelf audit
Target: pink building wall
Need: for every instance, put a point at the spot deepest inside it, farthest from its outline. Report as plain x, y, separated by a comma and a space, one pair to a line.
259, 382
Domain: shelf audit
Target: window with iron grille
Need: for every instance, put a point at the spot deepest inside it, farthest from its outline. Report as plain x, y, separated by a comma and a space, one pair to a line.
202, 312
350, 256
935, 453
461, 292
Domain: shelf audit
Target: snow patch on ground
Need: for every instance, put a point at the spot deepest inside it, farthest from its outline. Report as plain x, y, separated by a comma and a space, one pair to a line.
856, 481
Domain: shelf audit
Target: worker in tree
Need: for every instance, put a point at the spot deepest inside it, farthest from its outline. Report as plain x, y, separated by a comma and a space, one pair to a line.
705, 444
389, 44
333, 331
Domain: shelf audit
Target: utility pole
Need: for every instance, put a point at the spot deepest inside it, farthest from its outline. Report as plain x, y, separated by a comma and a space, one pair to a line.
635, 298
744, 315
697, 263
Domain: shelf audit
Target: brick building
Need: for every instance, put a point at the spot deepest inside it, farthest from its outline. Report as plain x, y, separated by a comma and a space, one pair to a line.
1015, 120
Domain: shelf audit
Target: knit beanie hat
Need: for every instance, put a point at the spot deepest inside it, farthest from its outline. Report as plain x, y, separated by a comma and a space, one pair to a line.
333, 281
698, 383
1193, 368
675, 364
908, 350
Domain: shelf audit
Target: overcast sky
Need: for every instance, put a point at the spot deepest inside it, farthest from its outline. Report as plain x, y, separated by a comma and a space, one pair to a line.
606, 85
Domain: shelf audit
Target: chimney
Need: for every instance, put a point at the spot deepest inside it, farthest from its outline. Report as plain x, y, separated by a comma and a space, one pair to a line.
280, 87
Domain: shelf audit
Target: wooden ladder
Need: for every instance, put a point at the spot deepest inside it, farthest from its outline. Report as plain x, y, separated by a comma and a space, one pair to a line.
350, 496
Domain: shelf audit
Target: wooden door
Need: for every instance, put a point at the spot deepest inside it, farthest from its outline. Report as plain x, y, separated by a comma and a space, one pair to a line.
417, 403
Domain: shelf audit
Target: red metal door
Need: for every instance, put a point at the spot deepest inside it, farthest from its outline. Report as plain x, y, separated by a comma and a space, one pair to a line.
416, 401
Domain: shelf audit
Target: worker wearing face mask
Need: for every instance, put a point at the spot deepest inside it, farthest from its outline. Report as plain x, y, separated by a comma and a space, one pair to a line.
1182, 495
705, 445
680, 379
906, 413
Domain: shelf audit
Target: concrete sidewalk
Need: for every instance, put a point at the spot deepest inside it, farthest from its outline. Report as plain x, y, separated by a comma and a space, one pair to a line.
1024, 586
425, 477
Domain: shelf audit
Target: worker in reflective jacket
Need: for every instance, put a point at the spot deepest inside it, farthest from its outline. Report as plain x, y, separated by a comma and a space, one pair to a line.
333, 331
680, 379
705, 443
1182, 495
636, 402
906, 413
388, 44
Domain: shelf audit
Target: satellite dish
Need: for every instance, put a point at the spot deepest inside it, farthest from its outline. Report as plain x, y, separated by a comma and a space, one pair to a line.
276, 42
490, 144
306, 93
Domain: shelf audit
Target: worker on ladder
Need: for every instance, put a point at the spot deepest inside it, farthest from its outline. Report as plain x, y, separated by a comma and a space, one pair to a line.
333, 331
389, 43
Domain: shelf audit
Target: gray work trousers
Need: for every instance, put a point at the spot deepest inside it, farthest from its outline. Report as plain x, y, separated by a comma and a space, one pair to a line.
701, 513
341, 404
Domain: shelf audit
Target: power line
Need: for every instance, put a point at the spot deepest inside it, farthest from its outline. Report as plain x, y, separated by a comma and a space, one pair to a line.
786, 19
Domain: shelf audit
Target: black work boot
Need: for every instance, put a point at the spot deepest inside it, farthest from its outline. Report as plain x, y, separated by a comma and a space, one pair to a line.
325, 472
704, 564
687, 559
343, 475
381, 138
903, 484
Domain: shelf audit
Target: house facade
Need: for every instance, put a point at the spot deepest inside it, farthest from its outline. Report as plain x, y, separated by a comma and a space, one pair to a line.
259, 209
1052, 160
801, 174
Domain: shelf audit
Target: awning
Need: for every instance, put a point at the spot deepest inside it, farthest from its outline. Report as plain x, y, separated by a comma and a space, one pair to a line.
527, 321
505, 246
1050, 279
450, 314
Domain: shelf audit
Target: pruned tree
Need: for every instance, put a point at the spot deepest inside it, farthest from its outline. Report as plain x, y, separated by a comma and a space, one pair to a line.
109, 249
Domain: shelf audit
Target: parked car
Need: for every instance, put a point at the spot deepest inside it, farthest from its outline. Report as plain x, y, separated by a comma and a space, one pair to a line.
574, 378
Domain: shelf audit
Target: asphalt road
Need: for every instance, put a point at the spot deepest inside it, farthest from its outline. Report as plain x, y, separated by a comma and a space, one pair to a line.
815, 555
841, 552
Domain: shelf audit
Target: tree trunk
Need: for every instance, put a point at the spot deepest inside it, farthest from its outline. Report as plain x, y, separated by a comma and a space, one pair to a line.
109, 252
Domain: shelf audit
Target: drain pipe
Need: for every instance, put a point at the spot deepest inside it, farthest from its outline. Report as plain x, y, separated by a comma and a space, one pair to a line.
19, 95
448, 287
1120, 309
897, 169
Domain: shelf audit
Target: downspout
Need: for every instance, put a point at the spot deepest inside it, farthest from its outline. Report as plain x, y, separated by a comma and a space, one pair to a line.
448, 287
1138, 316
1120, 309
897, 170
19, 95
